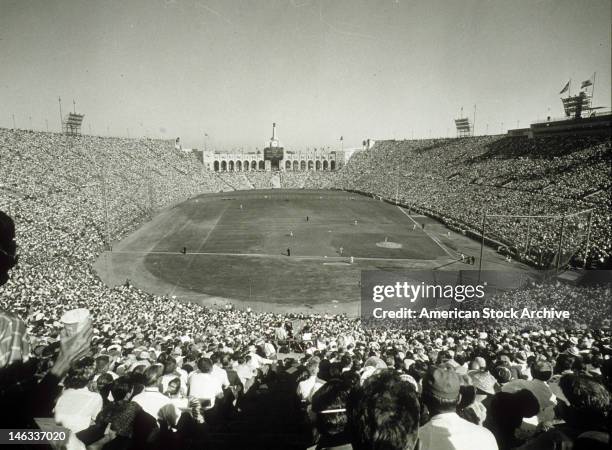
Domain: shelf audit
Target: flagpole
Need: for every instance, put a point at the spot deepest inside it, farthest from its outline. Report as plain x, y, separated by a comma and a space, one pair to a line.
593, 88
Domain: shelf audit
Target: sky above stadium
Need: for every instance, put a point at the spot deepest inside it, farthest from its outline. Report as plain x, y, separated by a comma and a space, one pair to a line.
321, 69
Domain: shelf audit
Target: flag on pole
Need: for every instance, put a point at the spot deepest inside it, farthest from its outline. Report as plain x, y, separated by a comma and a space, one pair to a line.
341, 138
565, 88
586, 83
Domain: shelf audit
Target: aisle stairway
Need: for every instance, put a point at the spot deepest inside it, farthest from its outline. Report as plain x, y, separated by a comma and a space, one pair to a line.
246, 181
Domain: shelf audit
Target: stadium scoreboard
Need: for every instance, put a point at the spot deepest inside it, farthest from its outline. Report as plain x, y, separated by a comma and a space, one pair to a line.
273, 153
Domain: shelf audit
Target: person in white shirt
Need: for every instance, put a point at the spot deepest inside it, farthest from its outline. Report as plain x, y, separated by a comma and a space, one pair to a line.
203, 385
77, 407
151, 400
218, 372
171, 371
280, 333
308, 387
269, 349
257, 361
446, 430
245, 371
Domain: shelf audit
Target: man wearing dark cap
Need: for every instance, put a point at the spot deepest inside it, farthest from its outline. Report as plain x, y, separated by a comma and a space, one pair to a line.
541, 372
446, 430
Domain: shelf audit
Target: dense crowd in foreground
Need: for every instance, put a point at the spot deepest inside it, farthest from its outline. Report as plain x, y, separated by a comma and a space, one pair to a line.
149, 372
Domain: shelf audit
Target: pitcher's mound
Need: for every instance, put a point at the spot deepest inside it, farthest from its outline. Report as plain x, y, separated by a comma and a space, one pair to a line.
388, 244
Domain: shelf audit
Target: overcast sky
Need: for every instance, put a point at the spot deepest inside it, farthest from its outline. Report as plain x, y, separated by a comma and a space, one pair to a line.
321, 69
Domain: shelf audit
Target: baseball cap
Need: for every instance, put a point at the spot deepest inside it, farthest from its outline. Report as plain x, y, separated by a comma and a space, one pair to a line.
442, 382
484, 381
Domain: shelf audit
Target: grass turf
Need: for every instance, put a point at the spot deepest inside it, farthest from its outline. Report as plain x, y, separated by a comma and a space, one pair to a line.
241, 253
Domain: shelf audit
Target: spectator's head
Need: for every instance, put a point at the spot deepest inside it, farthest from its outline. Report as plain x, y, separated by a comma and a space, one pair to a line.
443, 357
103, 384
564, 363
312, 365
507, 409
350, 378
301, 374
8, 246
483, 382
169, 365
418, 370
335, 370
589, 400
152, 374
174, 386
137, 381
205, 365
502, 374
102, 363
329, 406
441, 386
216, 357
478, 363
346, 361
122, 389
226, 361
78, 376
541, 370
384, 414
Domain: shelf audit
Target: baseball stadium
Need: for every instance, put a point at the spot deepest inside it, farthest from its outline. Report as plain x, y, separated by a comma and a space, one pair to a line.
229, 237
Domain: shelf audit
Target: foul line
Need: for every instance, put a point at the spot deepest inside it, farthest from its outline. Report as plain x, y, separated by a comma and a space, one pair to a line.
433, 238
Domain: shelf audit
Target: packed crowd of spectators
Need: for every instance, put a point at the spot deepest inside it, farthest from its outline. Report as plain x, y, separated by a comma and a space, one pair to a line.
231, 181
293, 180
150, 372
259, 179
458, 180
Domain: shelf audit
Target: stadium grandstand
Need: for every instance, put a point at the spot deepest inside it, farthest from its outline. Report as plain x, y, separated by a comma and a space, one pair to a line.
72, 197
187, 281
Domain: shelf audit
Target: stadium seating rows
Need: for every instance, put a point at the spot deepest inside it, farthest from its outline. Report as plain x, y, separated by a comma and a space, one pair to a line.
458, 179
61, 190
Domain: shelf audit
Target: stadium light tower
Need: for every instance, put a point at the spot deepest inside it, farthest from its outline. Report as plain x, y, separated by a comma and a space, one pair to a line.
59, 99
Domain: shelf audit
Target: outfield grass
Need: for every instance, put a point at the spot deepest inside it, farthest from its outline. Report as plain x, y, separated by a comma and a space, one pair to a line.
241, 253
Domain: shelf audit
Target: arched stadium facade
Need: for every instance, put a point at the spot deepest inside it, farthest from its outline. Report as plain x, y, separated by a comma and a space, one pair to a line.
291, 161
